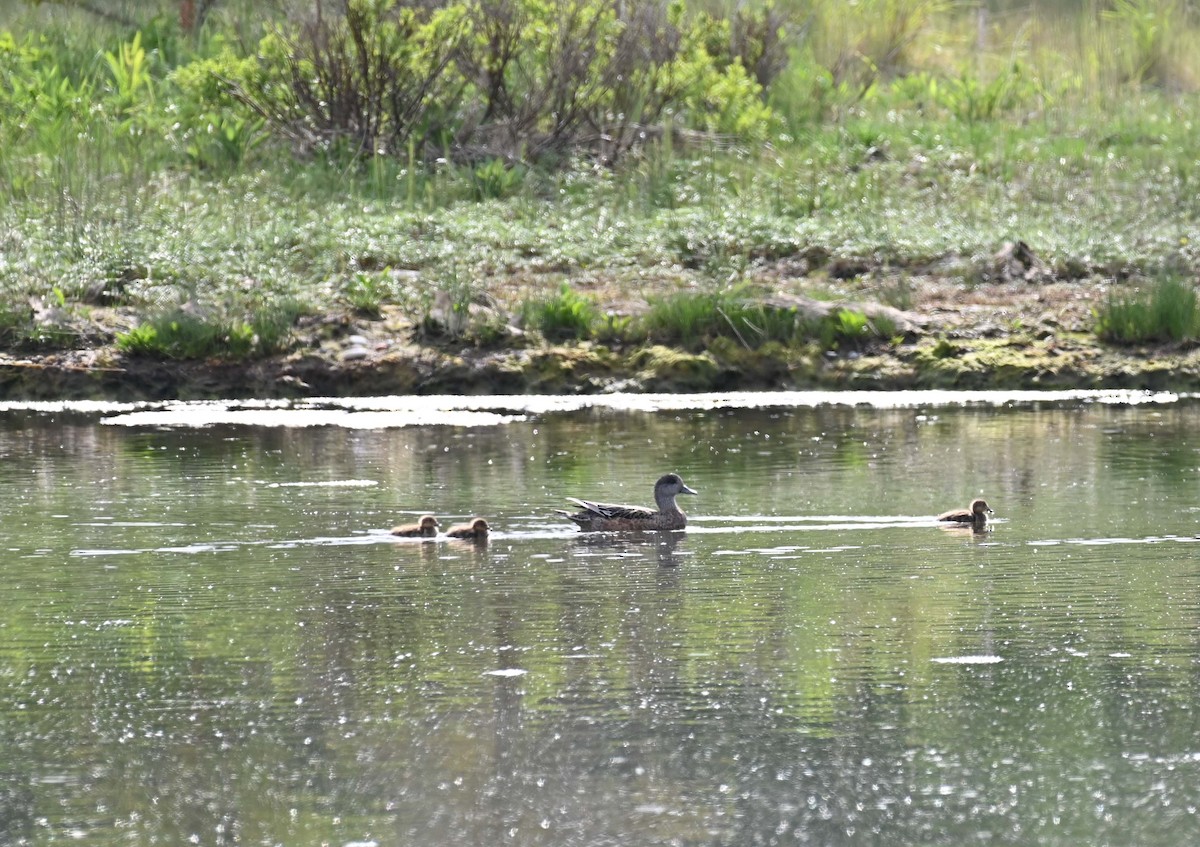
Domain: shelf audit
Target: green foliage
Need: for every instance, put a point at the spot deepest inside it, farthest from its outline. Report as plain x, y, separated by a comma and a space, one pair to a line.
1151, 30
730, 102
972, 100
851, 325
131, 86
566, 315
180, 334
38, 102
495, 180
217, 126
367, 291
613, 328
1168, 312
806, 92
373, 77
692, 320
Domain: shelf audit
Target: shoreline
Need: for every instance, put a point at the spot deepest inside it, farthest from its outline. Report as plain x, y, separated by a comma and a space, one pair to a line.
1003, 362
1009, 335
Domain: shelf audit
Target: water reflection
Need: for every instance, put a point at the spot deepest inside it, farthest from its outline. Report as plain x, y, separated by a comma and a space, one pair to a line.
211, 637
663, 548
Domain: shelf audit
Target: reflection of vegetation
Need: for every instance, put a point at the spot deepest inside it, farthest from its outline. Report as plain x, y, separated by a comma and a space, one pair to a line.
235, 658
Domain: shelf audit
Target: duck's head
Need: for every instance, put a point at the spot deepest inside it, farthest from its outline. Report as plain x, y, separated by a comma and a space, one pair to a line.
979, 506
480, 525
428, 522
671, 484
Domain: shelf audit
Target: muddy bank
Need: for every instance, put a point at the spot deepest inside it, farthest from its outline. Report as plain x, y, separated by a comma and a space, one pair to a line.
1008, 335
1002, 362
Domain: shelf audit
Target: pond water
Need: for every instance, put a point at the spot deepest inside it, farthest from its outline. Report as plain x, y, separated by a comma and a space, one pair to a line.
209, 637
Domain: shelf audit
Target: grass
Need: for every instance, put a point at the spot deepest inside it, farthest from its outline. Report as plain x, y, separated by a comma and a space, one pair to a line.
564, 316
179, 334
1167, 312
693, 320
927, 148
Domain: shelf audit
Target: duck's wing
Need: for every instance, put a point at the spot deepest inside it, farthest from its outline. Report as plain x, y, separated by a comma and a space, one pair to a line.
610, 510
962, 515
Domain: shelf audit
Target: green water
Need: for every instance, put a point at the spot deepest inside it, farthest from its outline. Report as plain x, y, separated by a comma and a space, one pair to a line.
208, 636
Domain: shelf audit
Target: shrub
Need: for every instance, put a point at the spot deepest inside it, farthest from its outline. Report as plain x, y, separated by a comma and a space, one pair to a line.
218, 126
374, 75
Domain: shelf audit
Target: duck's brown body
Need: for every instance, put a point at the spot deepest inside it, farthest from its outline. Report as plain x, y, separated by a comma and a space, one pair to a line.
476, 529
608, 517
426, 527
975, 514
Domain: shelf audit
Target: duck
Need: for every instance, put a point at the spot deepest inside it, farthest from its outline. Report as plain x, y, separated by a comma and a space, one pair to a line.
602, 517
427, 527
975, 514
476, 529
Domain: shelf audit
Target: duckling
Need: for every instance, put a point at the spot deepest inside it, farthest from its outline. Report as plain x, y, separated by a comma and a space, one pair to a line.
427, 527
975, 514
599, 517
476, 528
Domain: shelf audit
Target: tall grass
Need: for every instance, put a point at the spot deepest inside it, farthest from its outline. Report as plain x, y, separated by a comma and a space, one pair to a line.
178, 334
567, 315
1167, 312
692, 320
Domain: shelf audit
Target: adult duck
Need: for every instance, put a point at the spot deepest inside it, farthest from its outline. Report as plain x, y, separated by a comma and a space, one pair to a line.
608, 517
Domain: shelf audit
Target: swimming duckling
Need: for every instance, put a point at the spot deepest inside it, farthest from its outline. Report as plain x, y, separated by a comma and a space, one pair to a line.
476, 528
975, 514
427, 527
599, 517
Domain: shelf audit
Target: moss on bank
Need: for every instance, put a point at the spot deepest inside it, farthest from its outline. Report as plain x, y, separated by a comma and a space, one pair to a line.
1009, 362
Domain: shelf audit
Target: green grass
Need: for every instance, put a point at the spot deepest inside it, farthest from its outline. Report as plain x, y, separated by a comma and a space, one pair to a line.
179, 334
121, 173
1168, 312
567, 315
693, 320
